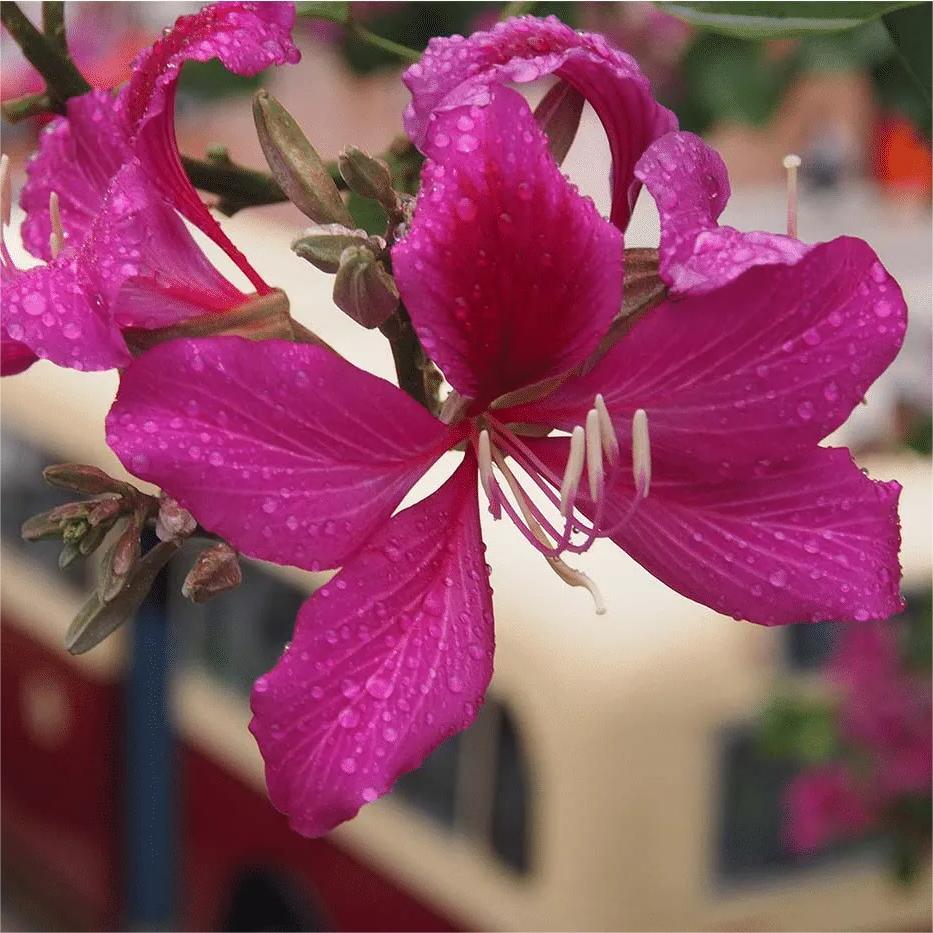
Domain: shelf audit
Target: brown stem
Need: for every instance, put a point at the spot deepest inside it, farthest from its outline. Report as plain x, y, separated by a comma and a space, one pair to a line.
411, 365
62, 78
30, 105
53, 25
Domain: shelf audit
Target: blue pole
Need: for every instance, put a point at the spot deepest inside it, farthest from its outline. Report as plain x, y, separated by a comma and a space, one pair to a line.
150, 814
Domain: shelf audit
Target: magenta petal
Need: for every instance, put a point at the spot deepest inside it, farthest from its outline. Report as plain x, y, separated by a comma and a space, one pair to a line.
766, 366
144, 261
390, 658
805, 540
51, 312
285, 450
246, 37
492, 192
689, 182
77, 157
14, 356
455, 71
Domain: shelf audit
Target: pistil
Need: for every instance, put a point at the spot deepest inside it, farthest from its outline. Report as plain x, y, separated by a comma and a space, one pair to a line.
791, 164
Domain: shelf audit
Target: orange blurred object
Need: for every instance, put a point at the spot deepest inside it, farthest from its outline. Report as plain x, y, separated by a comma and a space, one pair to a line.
903, 160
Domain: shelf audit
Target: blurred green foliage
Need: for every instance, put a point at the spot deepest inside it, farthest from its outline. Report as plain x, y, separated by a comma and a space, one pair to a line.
778, 20
800, 729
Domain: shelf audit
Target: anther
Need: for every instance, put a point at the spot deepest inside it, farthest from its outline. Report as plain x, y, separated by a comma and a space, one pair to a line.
57, 236
606, 430
573, 471
594, 454
791, 164
641, 452
6, 191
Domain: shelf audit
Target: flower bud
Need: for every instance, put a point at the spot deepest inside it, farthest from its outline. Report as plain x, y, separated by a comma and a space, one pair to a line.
323, 244
216, 570
79, 477
120, 559
97, 619
50, 524
558, 115
363, 288
368, 177
295, 164
173, 523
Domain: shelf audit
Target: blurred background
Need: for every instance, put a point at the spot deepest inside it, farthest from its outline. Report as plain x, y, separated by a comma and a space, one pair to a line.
660, 767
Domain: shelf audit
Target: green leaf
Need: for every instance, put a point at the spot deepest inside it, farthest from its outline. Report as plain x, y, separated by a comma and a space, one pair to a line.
911, 30
726, 78
799, 729
778, 20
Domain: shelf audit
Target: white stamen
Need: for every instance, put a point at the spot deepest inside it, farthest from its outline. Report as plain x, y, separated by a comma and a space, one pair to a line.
57, 236
594, 454
641, 452
606, 430
6, 191
573, 471
568, 574
578, 578
485, 464
791, 164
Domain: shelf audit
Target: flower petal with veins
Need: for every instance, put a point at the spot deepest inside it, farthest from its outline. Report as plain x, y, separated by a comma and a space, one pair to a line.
804, 540
246, 37
391, 657
285, 450
768, 365
689, 182
455, 71
491, 193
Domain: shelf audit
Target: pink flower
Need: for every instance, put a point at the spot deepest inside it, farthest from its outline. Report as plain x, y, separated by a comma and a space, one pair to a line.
886, 709
127, 259
823, 806
512, 280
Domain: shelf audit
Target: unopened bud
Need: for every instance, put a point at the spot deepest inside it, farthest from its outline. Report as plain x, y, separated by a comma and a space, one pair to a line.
368, 177
323, 244
216, 570
79, 477
363, 288
92, 540
50, 524
103, 512
98, 619
69, 554
558, 115
173, 523
295, 164
120, 559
